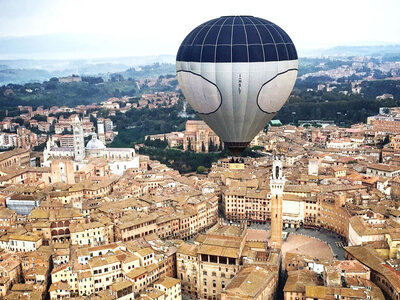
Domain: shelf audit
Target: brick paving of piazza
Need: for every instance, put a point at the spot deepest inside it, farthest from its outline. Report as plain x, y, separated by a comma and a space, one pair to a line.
304, 245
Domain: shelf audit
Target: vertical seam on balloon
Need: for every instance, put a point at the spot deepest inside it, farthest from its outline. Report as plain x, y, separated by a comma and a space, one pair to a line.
193, 33
202, 44
276, 49
243, 132
216, 41
284, 43
233, 27
259, 35
201, 28
231, 106
240, 133
247, 42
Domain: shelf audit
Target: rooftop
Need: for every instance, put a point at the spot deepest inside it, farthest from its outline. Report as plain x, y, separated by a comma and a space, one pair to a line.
250, 281
167, 282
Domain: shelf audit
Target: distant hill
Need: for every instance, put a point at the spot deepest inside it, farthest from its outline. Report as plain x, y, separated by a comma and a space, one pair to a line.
22, 71
24, 75
14, 69
37, 58
355, 51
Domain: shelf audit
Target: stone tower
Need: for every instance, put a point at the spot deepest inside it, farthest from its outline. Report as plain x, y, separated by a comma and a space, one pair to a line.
277, 184
79, 144
101, 130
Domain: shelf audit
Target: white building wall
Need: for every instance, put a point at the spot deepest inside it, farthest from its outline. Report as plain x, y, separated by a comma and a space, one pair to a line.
354, 238
293, 210
119, 167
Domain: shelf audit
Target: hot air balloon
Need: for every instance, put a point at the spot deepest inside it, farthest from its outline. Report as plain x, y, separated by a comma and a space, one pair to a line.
237, 72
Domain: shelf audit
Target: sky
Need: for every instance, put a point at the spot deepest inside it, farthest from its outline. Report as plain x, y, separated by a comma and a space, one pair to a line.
153, 27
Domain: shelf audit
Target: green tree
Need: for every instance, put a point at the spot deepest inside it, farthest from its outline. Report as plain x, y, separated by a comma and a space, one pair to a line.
211, 145
201, 169
117, 77
157, 143
20, 121
40, 118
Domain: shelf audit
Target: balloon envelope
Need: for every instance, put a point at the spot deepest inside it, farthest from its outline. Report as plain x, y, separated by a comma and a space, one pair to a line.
237, 72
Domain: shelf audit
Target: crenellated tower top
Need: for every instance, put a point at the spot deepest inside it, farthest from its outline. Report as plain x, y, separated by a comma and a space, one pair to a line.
277, 180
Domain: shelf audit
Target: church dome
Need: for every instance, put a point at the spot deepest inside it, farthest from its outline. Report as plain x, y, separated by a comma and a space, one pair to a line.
95, 144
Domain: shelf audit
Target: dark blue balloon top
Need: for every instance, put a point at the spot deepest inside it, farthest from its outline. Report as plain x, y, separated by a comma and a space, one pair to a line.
237, 39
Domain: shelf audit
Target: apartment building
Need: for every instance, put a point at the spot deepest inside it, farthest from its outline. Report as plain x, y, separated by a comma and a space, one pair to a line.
170, 286
93, 233
213, 263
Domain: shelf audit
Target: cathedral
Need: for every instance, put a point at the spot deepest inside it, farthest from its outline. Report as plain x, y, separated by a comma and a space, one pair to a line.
79, 156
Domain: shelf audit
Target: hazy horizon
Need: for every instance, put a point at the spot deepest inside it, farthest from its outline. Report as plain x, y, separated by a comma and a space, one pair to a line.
60, 46
58, 29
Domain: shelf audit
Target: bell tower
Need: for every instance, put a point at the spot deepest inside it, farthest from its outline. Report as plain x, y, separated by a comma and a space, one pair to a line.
277, 184
79, 144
